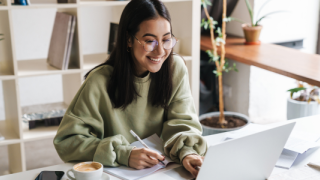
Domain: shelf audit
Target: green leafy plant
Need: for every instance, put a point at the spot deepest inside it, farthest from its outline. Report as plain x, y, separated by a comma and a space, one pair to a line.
0, 37
259, 19
221, 64
305, 93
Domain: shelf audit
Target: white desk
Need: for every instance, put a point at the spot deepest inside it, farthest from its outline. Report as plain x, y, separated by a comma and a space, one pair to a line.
310, 124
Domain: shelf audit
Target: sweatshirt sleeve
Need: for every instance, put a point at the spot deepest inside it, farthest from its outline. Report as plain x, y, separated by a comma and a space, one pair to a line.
182, 130
80, 136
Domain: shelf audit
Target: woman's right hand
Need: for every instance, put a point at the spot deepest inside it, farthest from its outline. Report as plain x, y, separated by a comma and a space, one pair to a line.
141, 158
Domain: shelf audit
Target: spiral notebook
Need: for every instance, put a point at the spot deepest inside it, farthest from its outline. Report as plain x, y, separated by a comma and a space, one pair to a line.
127, 173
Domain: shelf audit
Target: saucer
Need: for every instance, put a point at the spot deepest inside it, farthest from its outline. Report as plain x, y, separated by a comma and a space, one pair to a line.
104, 176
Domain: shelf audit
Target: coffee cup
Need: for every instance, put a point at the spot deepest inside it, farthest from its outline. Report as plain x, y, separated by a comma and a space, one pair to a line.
86, 171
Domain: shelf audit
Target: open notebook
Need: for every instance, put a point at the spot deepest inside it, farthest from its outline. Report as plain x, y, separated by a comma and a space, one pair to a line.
123, 172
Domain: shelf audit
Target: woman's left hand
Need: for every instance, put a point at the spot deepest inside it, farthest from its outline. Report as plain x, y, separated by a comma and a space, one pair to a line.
192, 163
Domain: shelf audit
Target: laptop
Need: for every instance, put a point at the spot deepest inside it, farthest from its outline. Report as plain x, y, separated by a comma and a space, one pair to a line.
250, 157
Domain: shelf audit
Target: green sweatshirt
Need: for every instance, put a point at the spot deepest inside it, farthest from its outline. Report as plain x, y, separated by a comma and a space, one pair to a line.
92, 130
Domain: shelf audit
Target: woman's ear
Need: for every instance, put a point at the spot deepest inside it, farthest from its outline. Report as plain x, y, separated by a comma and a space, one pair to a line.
129, 41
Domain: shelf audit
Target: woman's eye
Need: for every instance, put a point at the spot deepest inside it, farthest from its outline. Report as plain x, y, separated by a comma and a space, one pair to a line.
167, 40
149, 41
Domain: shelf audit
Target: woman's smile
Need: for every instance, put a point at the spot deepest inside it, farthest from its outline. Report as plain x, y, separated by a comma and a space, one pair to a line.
155, 60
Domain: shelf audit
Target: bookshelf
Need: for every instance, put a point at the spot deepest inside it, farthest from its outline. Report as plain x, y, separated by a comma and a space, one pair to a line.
185, 16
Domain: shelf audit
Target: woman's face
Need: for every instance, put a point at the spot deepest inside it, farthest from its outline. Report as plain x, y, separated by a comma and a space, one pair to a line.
150, 30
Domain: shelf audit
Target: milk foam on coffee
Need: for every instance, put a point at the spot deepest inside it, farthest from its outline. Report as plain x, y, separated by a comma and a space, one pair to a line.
85, 167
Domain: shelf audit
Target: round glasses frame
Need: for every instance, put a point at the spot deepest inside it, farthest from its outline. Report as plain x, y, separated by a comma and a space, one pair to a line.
157, 44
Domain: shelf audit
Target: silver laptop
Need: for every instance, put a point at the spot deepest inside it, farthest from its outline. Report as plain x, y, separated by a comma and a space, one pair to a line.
251, 157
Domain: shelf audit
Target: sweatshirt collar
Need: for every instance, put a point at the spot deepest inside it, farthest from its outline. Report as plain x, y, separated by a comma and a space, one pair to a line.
143, 79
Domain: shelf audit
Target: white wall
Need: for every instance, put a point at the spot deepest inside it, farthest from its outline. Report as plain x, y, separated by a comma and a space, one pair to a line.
267, 99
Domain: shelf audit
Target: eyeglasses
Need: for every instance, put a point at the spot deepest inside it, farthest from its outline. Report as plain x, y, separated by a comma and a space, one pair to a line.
151, 45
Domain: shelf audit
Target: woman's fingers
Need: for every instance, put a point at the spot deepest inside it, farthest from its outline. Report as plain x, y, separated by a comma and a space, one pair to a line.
191, 163
191, 169
154, 155
141, 158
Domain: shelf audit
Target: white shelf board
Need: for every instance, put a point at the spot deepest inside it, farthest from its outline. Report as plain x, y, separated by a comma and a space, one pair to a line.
6, 77
3, 8
39, 133
187, 58
10, 136
92, 60
45, 5
103, 3
40, 67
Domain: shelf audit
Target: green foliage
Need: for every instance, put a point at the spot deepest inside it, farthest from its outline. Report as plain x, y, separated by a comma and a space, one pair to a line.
250, 11
226, 68
256, 23
205, 3
1, 38
213, 58
206, 23
295, 90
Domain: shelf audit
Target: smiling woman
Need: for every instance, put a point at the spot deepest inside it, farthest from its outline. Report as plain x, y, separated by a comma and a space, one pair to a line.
141, 87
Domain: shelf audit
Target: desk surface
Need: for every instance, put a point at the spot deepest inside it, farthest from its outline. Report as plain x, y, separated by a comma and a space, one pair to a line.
310, 124
282, 60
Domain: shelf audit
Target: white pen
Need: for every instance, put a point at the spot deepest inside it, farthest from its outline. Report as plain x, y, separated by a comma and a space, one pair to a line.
138, 138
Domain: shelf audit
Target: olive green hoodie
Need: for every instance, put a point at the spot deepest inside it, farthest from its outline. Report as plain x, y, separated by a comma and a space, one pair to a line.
92, 130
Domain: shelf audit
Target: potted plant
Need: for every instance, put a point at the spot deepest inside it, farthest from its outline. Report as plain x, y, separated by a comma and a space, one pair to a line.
0, 37
303, 101
252, 31
221, 121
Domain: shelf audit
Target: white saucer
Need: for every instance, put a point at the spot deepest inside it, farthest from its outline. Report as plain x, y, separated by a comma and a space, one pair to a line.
104, 176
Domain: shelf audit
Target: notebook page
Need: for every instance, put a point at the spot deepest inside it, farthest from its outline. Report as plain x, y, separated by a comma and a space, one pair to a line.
127, 173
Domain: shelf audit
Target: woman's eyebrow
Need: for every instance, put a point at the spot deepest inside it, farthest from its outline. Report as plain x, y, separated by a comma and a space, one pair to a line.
148, 34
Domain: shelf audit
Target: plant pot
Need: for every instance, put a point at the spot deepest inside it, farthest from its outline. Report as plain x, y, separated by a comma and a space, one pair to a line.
298, 109
207, 130
251, 34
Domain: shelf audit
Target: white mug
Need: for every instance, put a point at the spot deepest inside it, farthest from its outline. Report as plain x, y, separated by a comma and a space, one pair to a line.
85, 175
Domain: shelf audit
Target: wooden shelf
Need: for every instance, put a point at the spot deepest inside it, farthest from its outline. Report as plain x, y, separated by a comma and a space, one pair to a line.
39, 133
282, 60
40, 67
10, 136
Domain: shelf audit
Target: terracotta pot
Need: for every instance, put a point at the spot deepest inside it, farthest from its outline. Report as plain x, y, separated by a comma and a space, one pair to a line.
207, 130
251, 34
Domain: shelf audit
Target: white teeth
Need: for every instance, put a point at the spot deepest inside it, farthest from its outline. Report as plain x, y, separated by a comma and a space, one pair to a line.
157, 60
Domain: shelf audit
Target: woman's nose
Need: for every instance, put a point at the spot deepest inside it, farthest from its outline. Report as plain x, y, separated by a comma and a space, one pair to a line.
160, 49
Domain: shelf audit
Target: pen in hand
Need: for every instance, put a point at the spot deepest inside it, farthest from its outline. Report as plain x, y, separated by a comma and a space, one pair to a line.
138, 138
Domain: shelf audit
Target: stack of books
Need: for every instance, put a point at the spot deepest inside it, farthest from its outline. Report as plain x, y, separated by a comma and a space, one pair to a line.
61, 40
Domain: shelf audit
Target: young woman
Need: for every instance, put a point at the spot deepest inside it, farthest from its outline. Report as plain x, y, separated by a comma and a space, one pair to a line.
143, 87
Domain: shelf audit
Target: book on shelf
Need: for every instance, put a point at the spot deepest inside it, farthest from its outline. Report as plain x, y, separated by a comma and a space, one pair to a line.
73, 25
61, 40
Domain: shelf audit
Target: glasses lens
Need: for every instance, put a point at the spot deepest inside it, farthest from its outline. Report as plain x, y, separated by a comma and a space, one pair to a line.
149, 45
169, 43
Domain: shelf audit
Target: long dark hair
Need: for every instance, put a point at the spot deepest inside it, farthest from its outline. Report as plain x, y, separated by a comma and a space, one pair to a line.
121, 88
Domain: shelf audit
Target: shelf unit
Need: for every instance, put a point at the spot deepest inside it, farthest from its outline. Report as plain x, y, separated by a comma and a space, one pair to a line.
185, 16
